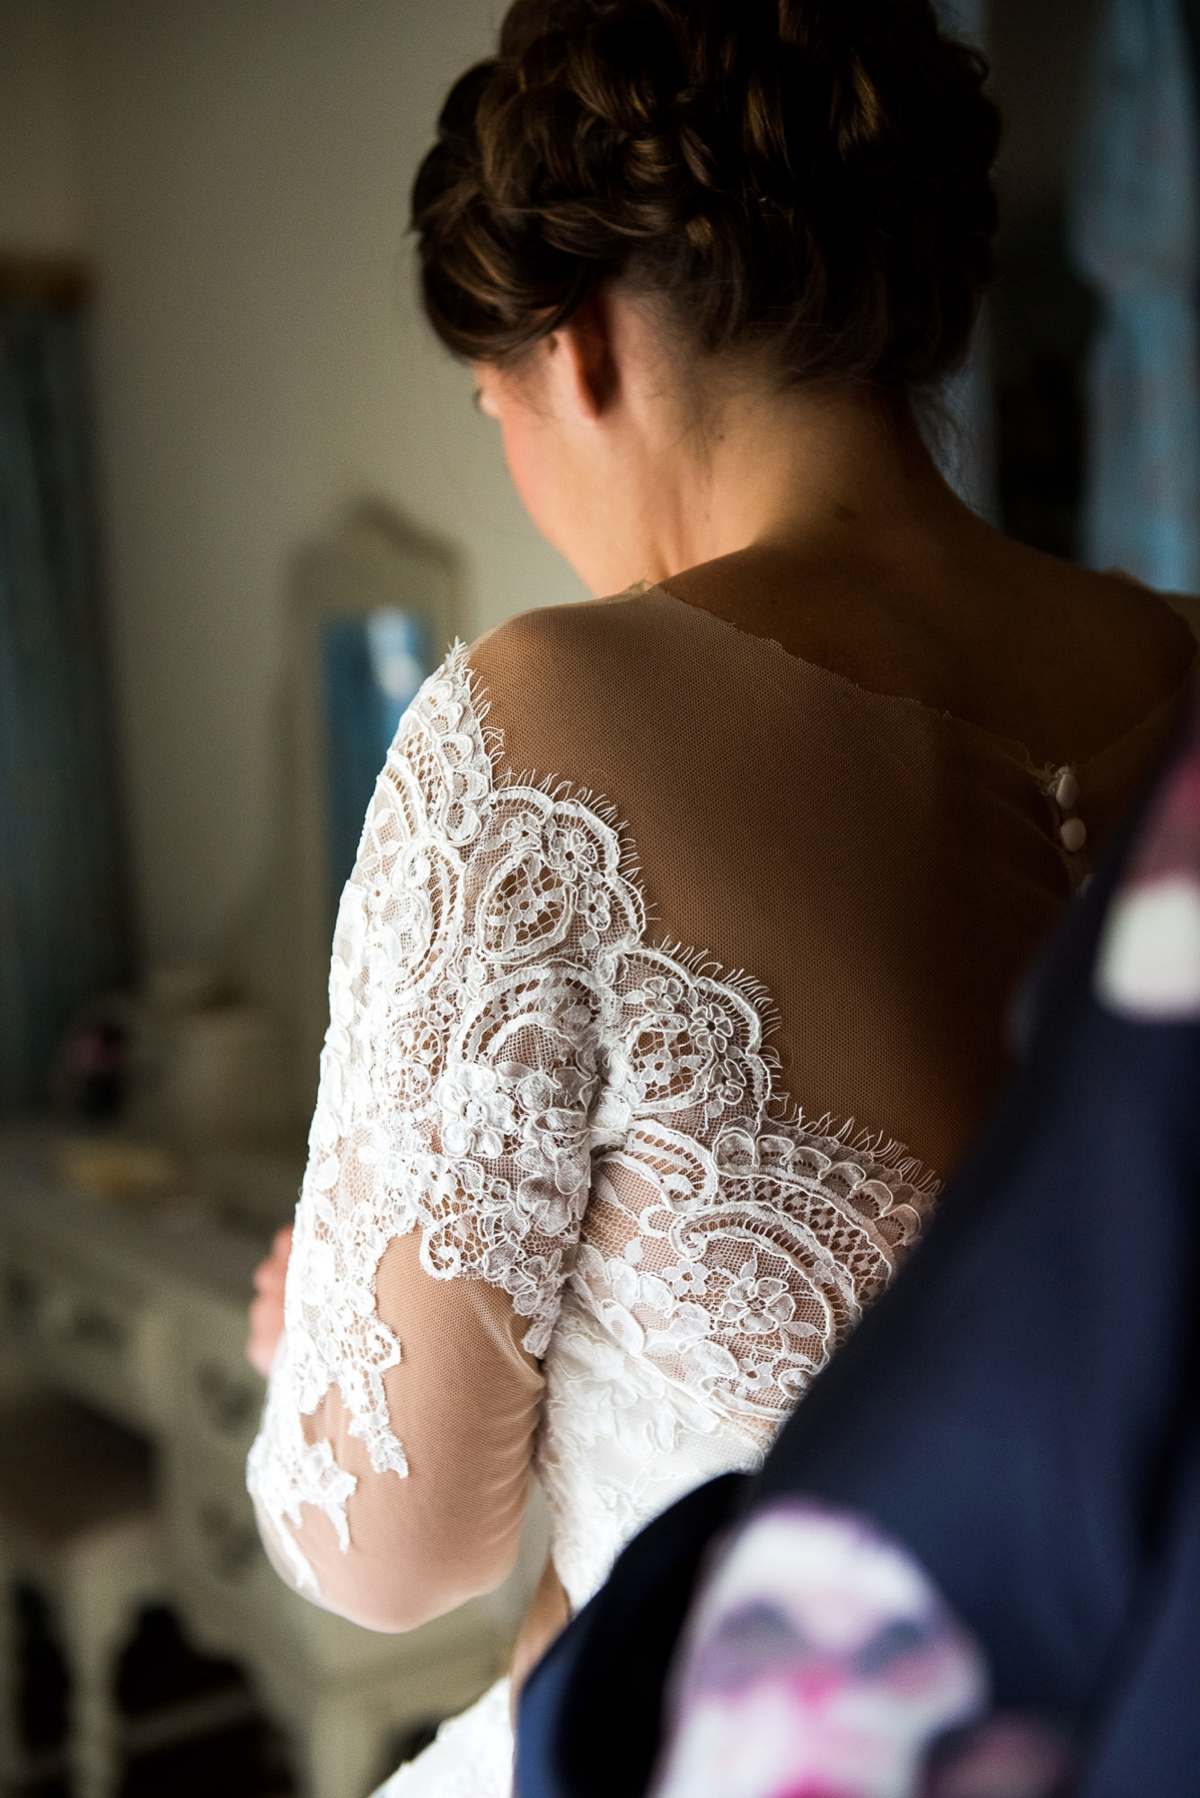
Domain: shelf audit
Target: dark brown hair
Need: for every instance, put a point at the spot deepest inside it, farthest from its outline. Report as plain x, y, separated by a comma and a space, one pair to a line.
808, 176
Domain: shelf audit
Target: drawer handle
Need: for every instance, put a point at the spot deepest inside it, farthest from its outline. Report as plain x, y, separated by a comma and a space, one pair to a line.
229, 1543
229, 1405
86, 1325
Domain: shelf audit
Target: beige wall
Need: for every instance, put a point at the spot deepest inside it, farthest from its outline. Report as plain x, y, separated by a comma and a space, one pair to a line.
260, 363
39, 189
238, 172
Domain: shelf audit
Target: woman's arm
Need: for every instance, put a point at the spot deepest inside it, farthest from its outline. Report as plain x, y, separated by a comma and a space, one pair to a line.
467, 1404
266, 1307
464, 1401
449, 1165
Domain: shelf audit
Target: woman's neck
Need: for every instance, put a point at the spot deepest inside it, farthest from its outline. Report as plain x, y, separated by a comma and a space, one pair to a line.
799, 472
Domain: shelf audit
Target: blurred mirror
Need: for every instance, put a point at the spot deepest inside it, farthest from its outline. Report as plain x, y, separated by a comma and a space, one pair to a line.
374, 609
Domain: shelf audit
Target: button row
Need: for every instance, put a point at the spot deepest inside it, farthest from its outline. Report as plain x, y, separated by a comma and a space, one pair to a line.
1064, 790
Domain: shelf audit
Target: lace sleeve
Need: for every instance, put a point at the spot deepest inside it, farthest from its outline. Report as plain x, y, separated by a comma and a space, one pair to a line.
462, 1092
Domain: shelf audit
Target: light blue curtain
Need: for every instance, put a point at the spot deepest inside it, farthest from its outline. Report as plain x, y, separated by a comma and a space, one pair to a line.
63, 936
1134, 232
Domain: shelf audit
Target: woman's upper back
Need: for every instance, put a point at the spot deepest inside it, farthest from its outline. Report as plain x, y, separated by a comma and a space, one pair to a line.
882, 871
908, 592
548, 1120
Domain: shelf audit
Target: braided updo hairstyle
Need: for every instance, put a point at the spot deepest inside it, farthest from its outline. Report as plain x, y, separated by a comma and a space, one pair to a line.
811, 177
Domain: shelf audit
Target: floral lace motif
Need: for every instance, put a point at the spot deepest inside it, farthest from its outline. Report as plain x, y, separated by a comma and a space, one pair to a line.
513, 1070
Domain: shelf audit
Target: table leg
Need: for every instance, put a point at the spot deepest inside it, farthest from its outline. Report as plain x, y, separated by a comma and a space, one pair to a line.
340, 1749
94, 1622
10, 1730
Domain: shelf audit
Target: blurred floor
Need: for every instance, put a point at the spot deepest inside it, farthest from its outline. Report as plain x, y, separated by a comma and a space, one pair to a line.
234, 1751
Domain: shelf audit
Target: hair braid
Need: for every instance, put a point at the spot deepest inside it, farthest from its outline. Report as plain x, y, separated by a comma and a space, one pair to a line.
812, 176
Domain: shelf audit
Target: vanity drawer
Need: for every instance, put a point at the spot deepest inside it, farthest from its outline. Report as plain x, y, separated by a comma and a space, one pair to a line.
220, 1397
89, 1336
212, 1530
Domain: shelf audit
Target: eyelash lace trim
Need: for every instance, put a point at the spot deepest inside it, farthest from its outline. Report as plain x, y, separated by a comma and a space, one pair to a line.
512, 1070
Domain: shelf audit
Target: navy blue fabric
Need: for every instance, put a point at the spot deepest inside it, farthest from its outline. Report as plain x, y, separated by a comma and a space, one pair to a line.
1148, 1735
1020, 1410
617, 1651
1011, 1413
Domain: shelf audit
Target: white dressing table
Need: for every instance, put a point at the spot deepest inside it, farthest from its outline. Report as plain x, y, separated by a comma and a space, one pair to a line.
141, 1314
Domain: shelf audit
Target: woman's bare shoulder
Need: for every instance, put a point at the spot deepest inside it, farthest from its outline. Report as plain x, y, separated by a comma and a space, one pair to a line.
1114, 588
1125, 623
549, 638
549, 659
1187, 607
558, 682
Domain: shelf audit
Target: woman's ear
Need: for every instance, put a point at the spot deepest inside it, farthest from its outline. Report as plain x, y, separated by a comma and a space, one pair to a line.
586, 362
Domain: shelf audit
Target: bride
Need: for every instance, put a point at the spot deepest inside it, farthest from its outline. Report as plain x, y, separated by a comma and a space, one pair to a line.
673, 973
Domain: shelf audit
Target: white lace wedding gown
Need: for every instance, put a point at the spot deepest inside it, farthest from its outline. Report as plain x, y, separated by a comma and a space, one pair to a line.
585, 1120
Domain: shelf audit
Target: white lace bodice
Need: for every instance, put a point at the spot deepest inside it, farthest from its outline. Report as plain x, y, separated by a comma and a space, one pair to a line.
588, 1121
